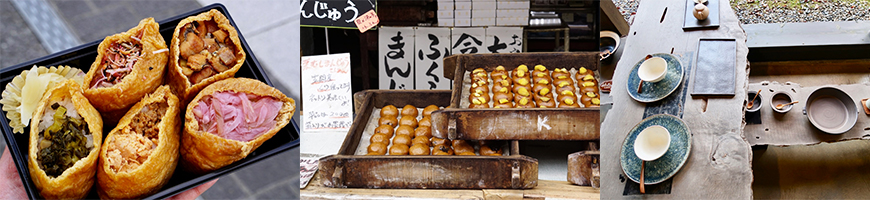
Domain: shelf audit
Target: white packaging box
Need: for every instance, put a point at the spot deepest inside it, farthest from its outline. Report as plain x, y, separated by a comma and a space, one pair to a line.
461, 22
445, 14
483, 4
483, 13
462, 14
512, 21
512, 13
445, 22
462, 5
445, 5
502, 4
484, 21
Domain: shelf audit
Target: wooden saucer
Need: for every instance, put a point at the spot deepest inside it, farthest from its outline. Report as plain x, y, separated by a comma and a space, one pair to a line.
864, 102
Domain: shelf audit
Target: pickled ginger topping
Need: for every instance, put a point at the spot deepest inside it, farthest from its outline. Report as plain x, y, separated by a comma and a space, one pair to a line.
236, 115
21, 96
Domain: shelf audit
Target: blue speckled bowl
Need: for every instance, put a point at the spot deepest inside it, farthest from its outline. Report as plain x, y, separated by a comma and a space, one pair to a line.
669, 164
659, 90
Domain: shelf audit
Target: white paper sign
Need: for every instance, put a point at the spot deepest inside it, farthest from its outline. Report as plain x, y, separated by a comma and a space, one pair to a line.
326, 91
468, 40
308, 164
396, 58
504, 39
431, 46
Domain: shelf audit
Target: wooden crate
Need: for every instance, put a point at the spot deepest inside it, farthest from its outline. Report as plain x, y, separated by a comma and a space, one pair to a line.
515, 123
347, 170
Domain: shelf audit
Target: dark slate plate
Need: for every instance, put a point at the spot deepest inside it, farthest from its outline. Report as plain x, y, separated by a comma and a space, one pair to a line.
659, 90
715, 67
669, 164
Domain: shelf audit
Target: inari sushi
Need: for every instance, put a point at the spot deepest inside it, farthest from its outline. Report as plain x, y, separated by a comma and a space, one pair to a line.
228, 120
65, 138
204, 49
129, 65
141, 153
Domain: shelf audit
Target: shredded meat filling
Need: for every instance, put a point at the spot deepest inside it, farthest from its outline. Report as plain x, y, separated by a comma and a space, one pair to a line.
132, 146
205, 50
118, 62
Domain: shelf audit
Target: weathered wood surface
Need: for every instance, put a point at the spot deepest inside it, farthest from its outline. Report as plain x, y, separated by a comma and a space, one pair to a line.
584, 168
429, 172
517, 124
356, 171
720, 162
793, 127
546, 189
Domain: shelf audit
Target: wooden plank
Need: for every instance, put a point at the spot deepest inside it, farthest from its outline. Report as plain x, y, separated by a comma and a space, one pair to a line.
439, 172
546, 189
719, 166
793, 127
517, 124
612, 19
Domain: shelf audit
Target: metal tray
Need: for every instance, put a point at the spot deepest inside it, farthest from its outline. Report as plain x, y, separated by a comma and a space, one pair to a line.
82, 56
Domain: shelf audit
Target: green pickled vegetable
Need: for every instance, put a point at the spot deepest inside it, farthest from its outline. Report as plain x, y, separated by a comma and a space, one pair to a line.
63, 143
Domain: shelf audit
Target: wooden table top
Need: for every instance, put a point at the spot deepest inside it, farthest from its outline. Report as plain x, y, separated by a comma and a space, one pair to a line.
546, 189
719, 164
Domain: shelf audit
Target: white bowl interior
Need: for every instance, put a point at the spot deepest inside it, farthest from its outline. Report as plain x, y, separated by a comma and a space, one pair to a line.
653, 69
652, 143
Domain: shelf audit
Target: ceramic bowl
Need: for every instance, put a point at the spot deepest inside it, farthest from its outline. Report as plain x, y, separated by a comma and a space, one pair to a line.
757, 104
608, 43
652, 142
652, 69
831, 110
781, 98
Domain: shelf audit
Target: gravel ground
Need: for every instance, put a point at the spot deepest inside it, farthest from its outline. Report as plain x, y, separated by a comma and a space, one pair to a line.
783, 11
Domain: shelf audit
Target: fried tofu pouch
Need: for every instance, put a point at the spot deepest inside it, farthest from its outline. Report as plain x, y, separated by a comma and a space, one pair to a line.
141, 153
204, 49
111, 88
205, 147
76, 181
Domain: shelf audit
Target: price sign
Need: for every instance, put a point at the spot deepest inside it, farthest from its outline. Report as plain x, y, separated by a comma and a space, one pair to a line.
367, 21
333, 13
326, 91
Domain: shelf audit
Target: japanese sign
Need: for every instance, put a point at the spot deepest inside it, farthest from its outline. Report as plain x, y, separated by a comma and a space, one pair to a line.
432, 45
326, 91
468, 40
504, 39
396, 58
333, 13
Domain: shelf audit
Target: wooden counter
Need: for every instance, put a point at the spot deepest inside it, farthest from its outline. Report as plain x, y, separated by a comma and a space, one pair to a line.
546, 189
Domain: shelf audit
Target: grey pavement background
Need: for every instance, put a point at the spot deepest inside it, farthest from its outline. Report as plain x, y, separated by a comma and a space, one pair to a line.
270, 28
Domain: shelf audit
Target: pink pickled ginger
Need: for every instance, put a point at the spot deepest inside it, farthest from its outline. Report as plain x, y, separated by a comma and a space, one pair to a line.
236, 115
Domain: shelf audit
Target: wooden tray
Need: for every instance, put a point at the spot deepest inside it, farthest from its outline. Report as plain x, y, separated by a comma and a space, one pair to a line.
515, 124
347, 170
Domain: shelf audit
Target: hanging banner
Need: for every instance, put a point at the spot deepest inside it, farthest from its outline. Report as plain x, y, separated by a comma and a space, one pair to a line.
504, 39
326, 91
468, 40
396, 58
432, 44
333, 13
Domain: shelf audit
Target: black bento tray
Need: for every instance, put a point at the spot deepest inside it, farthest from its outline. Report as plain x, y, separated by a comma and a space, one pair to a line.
82, 56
